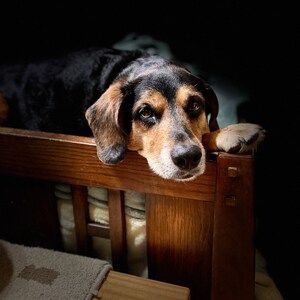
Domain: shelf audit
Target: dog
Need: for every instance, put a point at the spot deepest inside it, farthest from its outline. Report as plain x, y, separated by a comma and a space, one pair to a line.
127, 100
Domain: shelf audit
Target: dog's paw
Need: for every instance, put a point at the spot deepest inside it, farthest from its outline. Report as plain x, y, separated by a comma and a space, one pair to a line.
240, 138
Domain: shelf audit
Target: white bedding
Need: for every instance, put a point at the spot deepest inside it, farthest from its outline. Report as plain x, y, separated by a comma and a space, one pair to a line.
98, 211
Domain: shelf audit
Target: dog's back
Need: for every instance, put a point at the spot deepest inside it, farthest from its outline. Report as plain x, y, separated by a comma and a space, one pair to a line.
52, 95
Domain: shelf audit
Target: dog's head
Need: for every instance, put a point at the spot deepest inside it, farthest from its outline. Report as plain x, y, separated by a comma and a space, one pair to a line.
159, 109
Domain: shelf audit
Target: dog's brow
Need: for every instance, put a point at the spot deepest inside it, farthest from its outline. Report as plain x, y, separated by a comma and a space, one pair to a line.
184, 92
154, 98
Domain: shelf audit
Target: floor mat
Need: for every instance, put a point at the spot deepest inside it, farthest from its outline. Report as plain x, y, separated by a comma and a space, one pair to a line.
36, 273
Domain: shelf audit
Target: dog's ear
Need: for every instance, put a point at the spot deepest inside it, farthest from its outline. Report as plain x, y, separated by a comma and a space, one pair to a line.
212, 107
106, 119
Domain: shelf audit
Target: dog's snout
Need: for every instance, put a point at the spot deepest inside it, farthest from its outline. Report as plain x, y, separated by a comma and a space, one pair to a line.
186, 158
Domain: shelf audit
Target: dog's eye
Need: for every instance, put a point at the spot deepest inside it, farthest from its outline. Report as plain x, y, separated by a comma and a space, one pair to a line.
146, 112
147, 115
194, 107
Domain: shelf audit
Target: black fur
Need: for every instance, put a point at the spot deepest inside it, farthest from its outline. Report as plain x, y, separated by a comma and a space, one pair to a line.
53, 95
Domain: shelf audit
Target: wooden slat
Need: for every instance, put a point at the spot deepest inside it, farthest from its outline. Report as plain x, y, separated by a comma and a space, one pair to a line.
233, 240
81, 217
99, 230
120, 286
73, 160
117, 224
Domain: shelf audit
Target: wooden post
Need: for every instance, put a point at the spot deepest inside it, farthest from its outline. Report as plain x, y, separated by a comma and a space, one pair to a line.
233, 260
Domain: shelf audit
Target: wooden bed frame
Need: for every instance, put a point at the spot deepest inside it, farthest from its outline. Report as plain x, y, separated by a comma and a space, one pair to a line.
200, 234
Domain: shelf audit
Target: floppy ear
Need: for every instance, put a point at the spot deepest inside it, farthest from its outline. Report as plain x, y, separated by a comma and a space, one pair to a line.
212, 107
104, 118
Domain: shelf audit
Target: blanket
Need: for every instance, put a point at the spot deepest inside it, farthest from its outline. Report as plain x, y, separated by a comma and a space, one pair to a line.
37, 273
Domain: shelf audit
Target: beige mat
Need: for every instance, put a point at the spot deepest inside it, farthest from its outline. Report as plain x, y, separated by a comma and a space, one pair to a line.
35, 273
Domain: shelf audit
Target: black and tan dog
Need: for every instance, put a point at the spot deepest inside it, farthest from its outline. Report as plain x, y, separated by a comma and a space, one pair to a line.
127, 100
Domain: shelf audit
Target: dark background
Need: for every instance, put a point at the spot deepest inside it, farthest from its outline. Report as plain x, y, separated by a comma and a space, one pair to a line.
252, 45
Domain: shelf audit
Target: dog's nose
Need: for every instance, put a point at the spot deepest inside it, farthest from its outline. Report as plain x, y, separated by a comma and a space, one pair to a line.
186, 158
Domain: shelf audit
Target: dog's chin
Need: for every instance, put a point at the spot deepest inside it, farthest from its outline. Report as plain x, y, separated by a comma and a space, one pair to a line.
180, 176
186, 178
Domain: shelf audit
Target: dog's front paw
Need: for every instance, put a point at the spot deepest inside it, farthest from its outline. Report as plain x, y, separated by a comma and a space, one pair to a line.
240, 138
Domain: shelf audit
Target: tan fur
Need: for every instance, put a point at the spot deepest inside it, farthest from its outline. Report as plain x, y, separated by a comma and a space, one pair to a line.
150, 141
154, 141
209, 141
142, 138
103, 118
200, 125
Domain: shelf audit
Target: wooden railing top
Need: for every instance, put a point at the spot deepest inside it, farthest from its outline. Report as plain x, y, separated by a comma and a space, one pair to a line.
73, 160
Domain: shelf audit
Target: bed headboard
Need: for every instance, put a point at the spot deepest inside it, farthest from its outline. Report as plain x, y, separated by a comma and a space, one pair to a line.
200, 234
